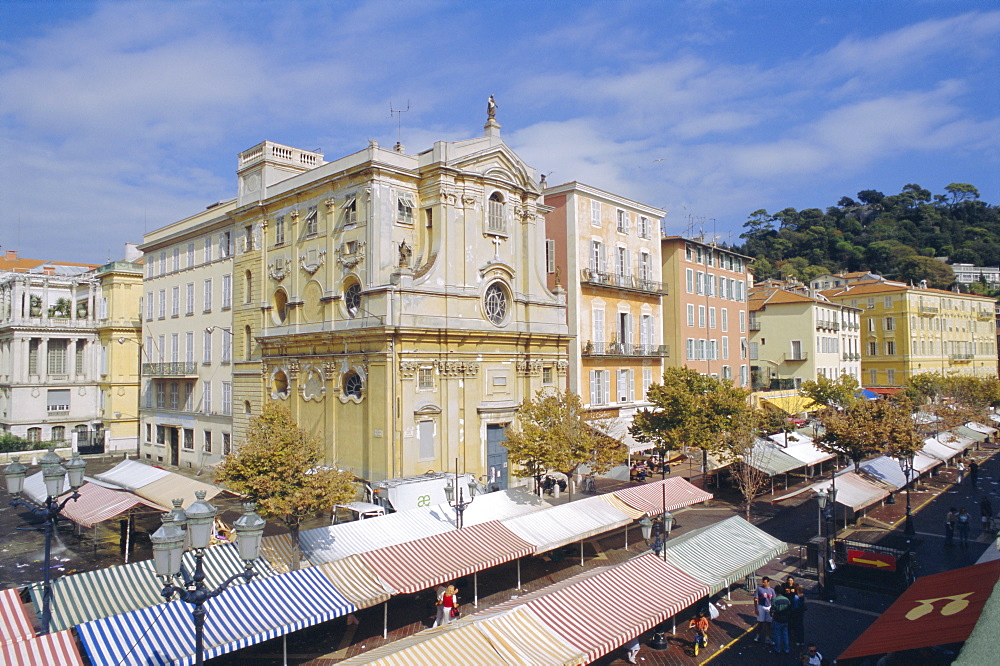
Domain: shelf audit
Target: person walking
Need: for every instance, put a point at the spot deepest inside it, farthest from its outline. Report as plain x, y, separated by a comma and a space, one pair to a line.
781, 610
986, 514
963, 527
949, 526
961, 471
632, 650
973, 473
449, 606
438, 608
762, 608
796, 620
700, 625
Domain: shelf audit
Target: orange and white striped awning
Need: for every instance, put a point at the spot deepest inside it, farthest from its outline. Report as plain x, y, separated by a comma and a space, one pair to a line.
58, 648
282, 553
15, 625
416, 565
356, 581
650, 499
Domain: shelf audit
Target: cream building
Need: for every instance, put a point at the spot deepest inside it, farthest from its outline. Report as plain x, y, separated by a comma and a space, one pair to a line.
61, 379
796, 336
604, 251
395, 302
187, 340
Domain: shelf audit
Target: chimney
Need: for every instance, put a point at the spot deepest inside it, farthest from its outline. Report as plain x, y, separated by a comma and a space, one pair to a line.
49, 270
11, 255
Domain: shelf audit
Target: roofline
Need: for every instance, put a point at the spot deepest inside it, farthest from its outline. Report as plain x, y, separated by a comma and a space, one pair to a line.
589, 190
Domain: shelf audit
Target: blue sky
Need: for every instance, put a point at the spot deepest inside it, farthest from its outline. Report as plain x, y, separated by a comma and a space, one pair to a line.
120, 117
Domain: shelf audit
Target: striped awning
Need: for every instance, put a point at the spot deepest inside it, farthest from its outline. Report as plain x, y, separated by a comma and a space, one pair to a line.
770, 459
165, 489
15, 625
649, 497
567, 523
105, 592
164, 633
356, 581
48, 650
617, 503
854, 492
585, 610
791, 404
326, 544
723, 553
281, 553
132, 474
515, 637
416, 565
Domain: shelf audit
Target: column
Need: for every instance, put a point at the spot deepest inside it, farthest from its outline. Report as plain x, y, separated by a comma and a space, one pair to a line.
43, 357
71, 358
21, 374
45, 299
92, 299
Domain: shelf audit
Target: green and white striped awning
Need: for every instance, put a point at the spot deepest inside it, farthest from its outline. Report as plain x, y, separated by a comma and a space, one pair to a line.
723, 553
93, 595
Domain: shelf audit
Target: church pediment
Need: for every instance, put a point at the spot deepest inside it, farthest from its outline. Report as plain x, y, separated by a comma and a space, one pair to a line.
499, 163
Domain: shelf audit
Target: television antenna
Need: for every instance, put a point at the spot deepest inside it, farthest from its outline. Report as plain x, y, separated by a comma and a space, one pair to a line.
398, 113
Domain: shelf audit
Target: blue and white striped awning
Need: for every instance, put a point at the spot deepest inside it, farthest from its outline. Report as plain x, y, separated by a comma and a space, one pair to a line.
241, 616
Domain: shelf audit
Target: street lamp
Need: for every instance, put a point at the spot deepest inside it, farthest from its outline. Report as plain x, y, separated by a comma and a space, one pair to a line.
458, 501
826, 501
192, 530
55, 476
907, 466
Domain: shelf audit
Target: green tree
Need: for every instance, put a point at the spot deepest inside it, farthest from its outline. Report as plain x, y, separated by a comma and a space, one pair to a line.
864, 429
924, 387
553, 431
938, 274
840, 393
279, 467
959, 192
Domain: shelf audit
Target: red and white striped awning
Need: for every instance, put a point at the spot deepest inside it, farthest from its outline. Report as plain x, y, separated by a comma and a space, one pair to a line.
599, 610
97, 504
15, 625
649, 497
59, 648
416, 565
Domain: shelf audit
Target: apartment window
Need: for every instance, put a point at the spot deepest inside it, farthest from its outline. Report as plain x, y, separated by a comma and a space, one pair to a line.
174, 395
208, 249
888, 301
206, 398
595, 213
174, 344
711, 317
739, 290
207, 351
645, 267
872, 374
699, 256
495, 213
626, 386
79, 358
149, 306
873, 349
227, 345
188, 395
163, 263
547, 375
279, 230
598, 323
623, 265
311, 226
690, 311
725, 320
161, 348
189, 346
699, 350
743, 348
701, 316
227, 444
754, 351
161, 304
600, 384
208, 295
190, 255
597, 257
248, 288
713, 350
161, 395
624, 220
647, 381
57, 357
425, 379
744, 375
689, 349
689, 274
700, 282
890, 376
208, 441
550, 255
644, 230
725, 348
227, 291
890, 348
227, 398
189, 298
188, 441
743, 321
404, 209
175, 301
176, 259
351, 211
225, 244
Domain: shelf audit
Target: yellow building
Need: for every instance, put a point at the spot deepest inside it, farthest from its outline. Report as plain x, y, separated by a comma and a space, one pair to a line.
908, 330
395, 303
118, 329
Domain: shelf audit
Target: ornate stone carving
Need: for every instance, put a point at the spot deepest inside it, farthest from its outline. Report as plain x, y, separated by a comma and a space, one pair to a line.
468, 201
458, 368
278, 267
311, 266
313, 388
347, 259
329, 370
330, 204
562, 367
408, 369
293, 370
529, 367
294, 213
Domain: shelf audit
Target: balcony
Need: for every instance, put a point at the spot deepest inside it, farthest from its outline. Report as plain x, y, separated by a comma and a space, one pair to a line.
754, 325
961, 357
625, 349
796, 358
985, 316
624, 282
174, 369
927, 310
828, 325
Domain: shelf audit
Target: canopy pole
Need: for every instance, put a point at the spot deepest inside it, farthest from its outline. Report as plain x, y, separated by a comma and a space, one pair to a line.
284, 649
385, 619
673, 621
128, 535
475, 588
626, 537
729, 591
581, 553
519, 574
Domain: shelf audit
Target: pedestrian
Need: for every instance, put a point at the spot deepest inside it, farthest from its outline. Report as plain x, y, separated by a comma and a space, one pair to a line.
986, 513
787, 588
796, 621
949, 526
963, 527
449, 606
973, 473
438, 608
961, 471
700, 625
632, 650
762, 608
781, 610
812, 657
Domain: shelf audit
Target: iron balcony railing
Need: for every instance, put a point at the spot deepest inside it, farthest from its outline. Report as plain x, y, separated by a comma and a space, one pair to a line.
171, 369
624, 349
629, 282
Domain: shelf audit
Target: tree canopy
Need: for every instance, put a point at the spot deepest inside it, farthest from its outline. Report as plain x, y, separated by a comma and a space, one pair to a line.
840, 393
869, 427
554, 432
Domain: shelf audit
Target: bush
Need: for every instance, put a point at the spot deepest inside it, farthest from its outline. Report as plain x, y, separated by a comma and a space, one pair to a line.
11, 443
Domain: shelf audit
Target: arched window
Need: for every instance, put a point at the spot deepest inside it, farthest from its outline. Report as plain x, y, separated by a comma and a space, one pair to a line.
353, 385
279, 385
352, 299
58, 433
34, 434
280, 312
247, 343
246, 407
494, 220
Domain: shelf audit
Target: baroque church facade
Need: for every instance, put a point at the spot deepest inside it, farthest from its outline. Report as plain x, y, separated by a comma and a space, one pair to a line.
396, 303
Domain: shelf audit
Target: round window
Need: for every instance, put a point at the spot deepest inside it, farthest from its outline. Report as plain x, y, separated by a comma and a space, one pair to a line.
495, 303
352, 299
280, 311
352, 385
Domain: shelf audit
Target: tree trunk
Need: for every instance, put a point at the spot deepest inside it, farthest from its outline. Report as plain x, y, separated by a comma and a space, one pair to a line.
293, 528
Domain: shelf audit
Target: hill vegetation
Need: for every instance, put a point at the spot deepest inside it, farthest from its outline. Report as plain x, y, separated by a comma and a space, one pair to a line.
900, 236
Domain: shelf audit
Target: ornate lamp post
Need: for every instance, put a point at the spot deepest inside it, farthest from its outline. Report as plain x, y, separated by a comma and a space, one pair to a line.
55, 475
826, 500
192, 530
456, 499
907, 466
